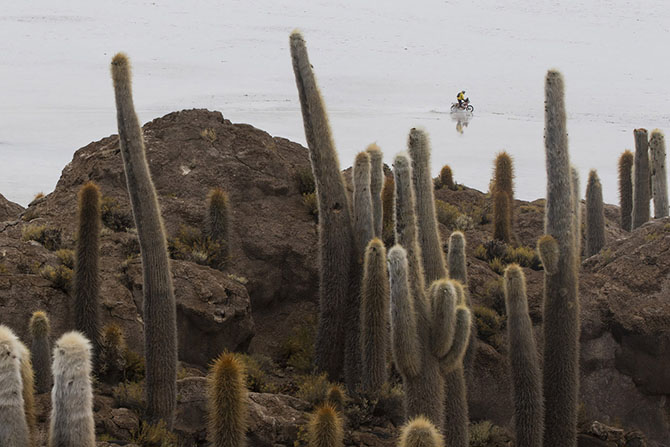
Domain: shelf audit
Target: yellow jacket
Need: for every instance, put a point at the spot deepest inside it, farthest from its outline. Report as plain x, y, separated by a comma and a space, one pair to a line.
460, 96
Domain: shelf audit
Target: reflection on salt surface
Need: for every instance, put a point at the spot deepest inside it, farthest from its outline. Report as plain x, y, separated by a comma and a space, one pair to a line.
462, 119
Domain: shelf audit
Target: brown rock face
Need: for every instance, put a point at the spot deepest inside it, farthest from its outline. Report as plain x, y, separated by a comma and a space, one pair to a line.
8, 209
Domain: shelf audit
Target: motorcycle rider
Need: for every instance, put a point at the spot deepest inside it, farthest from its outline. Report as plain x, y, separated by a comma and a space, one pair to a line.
461, 98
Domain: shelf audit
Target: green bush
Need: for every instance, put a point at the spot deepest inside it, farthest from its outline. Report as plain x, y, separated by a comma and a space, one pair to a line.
114, 216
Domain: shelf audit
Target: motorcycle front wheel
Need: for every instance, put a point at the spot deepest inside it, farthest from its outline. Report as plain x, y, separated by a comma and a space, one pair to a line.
470, 109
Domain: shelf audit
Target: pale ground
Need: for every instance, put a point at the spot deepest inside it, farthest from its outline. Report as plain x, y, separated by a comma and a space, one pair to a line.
383, 67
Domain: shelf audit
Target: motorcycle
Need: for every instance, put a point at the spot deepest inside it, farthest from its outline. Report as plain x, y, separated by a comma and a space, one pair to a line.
465, 106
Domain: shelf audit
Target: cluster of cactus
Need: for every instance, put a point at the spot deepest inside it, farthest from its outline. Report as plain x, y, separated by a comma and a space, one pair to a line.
159, 302
502, 192
344, 235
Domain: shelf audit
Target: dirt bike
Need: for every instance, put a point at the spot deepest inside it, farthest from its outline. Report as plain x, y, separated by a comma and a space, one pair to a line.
455, 107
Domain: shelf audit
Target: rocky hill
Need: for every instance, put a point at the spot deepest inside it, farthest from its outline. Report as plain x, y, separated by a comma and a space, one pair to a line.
263, 300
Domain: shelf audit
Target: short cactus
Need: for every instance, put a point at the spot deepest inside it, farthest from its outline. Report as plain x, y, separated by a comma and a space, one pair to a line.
160, 313
41, 351
641, 179
112, 355
14, 429
595, 215
420, 432
325, 428
446, 179
374, 317
218, 220
71, 423
524, 362
376, 184
626, 189
336, 397
227, 403
86, 271
659, 176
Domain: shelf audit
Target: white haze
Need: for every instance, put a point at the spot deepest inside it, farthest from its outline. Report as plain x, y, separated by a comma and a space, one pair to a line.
383, 67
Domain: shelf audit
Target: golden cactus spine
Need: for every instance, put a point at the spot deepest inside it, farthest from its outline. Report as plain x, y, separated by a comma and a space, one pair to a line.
227, 403
71, 423
420, 432
336, 240
41, 351
325, 428
524, 362
14, 430
86, 271
561, 301
626, 161
160, 319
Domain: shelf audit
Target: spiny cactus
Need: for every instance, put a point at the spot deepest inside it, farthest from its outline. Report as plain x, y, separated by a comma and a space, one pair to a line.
576, 214
374, 317
420, 432
325, 428
111, 358
376, 184
447, 178
14, 429
641, 180
429, 238
227, 402
71, 423
336, 240
595, 215
218, 219
561, 302
626, 189
41, 351
28, 379
659, 176
503, 197
336, 397
160, 333
502, 216
86, 271
388, 198
524, 362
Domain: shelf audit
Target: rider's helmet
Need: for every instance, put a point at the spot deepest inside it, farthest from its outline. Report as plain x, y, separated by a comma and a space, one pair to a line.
463, 91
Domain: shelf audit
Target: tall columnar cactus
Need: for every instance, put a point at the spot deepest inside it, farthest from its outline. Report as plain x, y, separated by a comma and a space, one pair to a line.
227, 403
28, 379
659, 176
626, 189
420, 432
325, 428
641, 180
429, 239
561, 302
218, 219
41, 351
160, 333
524, 362
337, 254
72, 422
13, 425
86, 270
595, 215
503, 197
376, 184
374, 317
576, 214
388, 198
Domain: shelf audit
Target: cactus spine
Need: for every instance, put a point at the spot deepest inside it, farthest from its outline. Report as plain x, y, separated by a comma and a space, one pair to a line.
160, 334
524, 362
336, 243
376, 184
626, 189
503, 197
659, 176
595, 215
429, 239
419, 432
325, 428
227, 403
561, 302
218, 219
374, 317
641, 179
86, 271
71, 422
41, 351
28, 380
576, 214
14, 430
